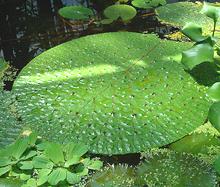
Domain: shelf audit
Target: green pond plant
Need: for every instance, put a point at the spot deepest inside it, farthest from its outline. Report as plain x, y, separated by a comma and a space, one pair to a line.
203, 51
147, 4
38, 163
115, 101
76, 13
163, 167
119, 11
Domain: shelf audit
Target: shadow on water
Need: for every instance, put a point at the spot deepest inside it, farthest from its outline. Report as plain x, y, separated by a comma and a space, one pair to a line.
29, 27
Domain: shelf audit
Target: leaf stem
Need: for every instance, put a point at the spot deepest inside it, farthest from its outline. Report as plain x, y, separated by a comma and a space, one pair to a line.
213, 33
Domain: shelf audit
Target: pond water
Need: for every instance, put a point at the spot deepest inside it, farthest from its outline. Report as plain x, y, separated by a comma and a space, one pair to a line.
29, 27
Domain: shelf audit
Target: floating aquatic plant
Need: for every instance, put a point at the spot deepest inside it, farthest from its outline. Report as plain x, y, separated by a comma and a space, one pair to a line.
167, 168
76, 12
119, 11
146, 4
115, 175
185, 12
40, 163
115, 101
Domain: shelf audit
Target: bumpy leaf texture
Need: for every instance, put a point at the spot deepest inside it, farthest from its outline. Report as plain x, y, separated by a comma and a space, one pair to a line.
165, 168
116, 92
185, 12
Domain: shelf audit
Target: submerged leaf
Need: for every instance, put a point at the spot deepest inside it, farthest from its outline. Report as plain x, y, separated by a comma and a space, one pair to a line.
196, 55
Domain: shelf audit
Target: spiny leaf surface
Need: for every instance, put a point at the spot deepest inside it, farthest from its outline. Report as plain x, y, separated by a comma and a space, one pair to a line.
185, 12
116, 92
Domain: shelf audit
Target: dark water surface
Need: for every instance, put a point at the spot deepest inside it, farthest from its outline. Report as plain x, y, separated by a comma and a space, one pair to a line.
29, 27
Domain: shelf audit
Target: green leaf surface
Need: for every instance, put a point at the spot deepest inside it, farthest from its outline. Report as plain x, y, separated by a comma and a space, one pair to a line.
29, 155
165, 168
116, 175
211, 11
20, 146
4, 161
216, 165
197, 54
4, 170
24, 176
54, 152
185, 12
124, 12
81, 170
214, 115
146, 4
10, 128
42, 162
196, 143
10, 182
26, 165
72, 178
43, 175
194, 32
76, 12
75, 150
74, 160
32, 138
214, 92
57, 176
95, 165
115, 101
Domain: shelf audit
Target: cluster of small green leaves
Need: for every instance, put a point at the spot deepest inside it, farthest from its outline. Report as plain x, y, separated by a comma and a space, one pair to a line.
119, 10
203, 51
127, 12
40, 163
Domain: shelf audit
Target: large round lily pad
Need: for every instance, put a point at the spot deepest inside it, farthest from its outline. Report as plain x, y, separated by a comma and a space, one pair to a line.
185, 12
117, 92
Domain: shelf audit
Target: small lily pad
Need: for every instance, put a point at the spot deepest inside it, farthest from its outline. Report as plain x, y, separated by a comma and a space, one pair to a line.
125, 12
76, 12
148, 3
